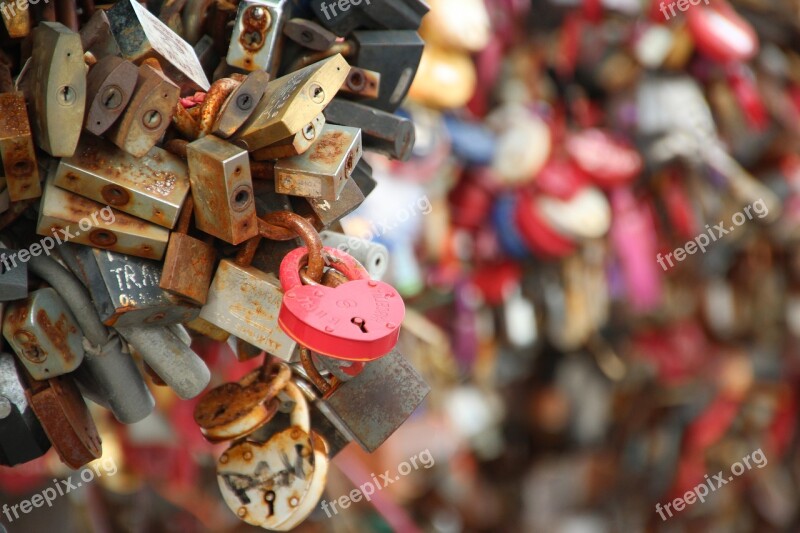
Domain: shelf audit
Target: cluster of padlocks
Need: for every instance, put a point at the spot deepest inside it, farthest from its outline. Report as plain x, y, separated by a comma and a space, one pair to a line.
141, 200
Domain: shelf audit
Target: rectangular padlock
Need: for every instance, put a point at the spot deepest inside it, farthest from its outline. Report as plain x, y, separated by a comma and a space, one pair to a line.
344, 17
245, 302
148, 114
396, 55
126, 290
374, 404
222, 190
153, 187
325, 168
109, 88
384, 133
13, 275
17, 20
17, 150
241, 104
141, 35
297, 144
362, 84
66, 216
207, 329
257, 39
97, 38
326, 213
292, 102
22, 437
362, 175
44, 334
57, 88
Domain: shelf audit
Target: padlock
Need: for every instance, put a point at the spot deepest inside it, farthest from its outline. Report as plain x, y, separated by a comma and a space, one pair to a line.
189, 281
125, 290
240, 105
297, 144
149, 112
109, 88
13, 275
66, 420
325, 213
17, 150
357, 321
207, 329
248, 472
57, 88
222, 190
324, 169
97, 38
376, 402
396, 55
235, 410
291, 102
344, 17
44, 334
362, 176
362, 84
372, 255
141, 35
207, 53
170, 358
16, 19
323, 420
22, 438
68, 217
153, 187
381, 132
257, 40
309, 34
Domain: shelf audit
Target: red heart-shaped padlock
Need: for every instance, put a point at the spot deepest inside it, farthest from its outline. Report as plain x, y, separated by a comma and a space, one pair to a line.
357, 321
721, 33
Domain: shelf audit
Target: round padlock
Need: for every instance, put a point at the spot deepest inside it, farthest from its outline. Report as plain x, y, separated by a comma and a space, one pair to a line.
608, 161
540, 237
276, 484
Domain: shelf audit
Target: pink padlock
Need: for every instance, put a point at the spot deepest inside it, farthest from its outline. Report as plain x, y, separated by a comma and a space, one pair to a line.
357, 321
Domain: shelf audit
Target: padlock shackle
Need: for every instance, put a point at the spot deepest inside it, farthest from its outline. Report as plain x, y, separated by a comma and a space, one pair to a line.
301, 416
337, 260
307, 233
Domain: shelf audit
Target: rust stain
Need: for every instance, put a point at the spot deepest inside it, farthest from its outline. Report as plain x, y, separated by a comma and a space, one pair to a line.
58, 333
329, 148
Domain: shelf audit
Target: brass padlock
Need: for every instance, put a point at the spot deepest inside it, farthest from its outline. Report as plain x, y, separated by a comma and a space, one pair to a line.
44, 334
189, 263
109, 88
96, 37
323, 170
222, 190
68, 217
240, 105
57, 88
362, 84
291, 102
149, 113
17, 149
16, 19
297, 144
141, 35
257, 39
153, 187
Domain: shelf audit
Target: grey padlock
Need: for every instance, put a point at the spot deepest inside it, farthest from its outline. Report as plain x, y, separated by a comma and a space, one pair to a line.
22, 438
381, 132
373, 255
169, 357
13, 275
258, 35
126, 290
113, 373
344, 17
44, 334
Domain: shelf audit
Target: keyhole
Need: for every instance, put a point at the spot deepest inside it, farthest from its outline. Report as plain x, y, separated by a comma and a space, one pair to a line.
317, 93
245, 102
361, 323
269, 497
252, 39
67, 95
112, 98
152, 119
309, 132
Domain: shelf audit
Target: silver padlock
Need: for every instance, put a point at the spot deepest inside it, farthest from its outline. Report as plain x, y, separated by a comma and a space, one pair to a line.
44, 334
257, 38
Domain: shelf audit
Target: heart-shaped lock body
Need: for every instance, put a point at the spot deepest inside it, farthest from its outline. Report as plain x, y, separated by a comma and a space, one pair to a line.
276, 485
234, 410
357, 321
609, 161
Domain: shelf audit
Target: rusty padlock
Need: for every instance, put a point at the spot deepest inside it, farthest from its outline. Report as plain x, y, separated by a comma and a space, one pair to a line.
17, 150
109, 88
297, 144
256, 43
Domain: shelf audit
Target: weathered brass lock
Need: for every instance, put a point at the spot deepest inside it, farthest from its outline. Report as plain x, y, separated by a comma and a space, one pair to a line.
17, 20
324, 169
109, 89
57, 87
149, 113
44, 334
66, 216
241, 104
297, 144
97, 38
257, 39
17, 150
362, 84
141, 35
222, 190
126, 290
152, 187
291, 102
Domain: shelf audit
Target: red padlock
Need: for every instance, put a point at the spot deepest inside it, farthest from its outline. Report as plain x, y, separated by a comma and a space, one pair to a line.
537, 234
357, 321
720, 33
609, 161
